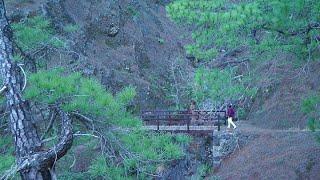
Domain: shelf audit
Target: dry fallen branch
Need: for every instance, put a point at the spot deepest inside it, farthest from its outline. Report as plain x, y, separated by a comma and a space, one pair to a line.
3, 89
24, 77
230, 62
91, 135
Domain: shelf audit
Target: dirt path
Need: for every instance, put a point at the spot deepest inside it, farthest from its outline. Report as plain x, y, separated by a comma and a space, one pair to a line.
245, 126
273, 154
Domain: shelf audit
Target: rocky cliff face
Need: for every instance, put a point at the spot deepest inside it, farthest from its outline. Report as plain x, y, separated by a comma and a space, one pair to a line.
224, 144
123, 42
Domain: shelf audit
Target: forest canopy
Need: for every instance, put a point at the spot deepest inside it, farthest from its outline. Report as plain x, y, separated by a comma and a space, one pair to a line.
266, 27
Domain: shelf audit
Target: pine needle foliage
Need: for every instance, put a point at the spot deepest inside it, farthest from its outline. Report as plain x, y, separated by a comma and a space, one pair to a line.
6, 157
74, 93
265, 26
78, 94
220, 86
34, 33
148, 151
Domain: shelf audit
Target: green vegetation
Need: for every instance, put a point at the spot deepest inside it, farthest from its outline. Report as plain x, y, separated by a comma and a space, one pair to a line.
183, 139
142, 151
148, 150
126, 150
35, 33
259, 30
310, 106
112, 137
266, 27
132, 11
70, 28
161, 40
220, 86
77, 94
202, 170
6, 151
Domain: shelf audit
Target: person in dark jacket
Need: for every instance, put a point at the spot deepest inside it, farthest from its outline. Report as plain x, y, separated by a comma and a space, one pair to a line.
231, 115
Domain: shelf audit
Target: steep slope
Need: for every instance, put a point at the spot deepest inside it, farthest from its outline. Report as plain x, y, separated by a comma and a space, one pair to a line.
273, 154
125, 43
121, 42
283, 86
132, 42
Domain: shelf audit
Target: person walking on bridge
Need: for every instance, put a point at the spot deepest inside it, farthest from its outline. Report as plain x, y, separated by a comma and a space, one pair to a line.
231, 115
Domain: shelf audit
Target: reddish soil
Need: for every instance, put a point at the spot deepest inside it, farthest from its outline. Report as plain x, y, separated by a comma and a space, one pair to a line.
283, 87
273, 154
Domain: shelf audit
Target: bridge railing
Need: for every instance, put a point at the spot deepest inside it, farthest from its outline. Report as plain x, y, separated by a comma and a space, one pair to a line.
170, 118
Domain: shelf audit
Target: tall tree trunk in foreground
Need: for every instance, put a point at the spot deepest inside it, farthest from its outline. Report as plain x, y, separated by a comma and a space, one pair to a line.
32, 162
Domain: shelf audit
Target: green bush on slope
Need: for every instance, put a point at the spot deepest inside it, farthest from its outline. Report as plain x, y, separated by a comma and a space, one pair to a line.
219, 86
34, 33
310, 106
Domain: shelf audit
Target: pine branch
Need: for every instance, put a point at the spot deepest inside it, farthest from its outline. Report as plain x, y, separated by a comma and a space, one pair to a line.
304, 30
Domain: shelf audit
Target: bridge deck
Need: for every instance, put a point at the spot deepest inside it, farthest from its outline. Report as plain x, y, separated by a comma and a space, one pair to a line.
183, 120
181, 128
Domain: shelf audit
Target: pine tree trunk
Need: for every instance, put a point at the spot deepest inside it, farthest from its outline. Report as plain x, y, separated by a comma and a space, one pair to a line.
32, 162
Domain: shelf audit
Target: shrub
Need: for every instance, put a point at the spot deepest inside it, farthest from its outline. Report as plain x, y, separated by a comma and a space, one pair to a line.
219, 86
34, 33
70, 28
310, 106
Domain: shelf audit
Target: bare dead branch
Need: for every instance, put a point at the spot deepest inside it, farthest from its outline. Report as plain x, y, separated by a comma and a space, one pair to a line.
3, 89
24, 77
304, 30
73, 163
48, 139
52, 118
83, 117
231, 62
91, 135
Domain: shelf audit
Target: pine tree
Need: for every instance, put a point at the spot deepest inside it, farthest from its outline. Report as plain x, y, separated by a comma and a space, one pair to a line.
71, 107
264, 26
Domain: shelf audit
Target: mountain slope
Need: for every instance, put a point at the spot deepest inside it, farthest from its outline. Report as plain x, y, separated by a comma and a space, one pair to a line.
273, 154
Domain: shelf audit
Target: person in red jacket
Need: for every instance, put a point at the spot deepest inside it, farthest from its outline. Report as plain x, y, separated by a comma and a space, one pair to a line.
231, 115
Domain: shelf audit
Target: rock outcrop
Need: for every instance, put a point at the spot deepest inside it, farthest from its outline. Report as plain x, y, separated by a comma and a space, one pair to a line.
224, 144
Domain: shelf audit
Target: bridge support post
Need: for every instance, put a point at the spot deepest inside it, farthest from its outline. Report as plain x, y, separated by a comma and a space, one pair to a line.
188, 124
225, 118
158, 124
218, 123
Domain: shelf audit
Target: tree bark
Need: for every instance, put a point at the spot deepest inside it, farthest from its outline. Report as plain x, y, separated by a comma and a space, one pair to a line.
32, 161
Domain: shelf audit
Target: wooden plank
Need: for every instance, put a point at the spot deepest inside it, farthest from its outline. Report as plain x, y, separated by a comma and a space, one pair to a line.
181, 120
164, 112
181, 128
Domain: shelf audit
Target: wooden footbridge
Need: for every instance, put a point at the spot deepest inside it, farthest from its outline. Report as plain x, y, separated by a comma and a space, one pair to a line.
184, 121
